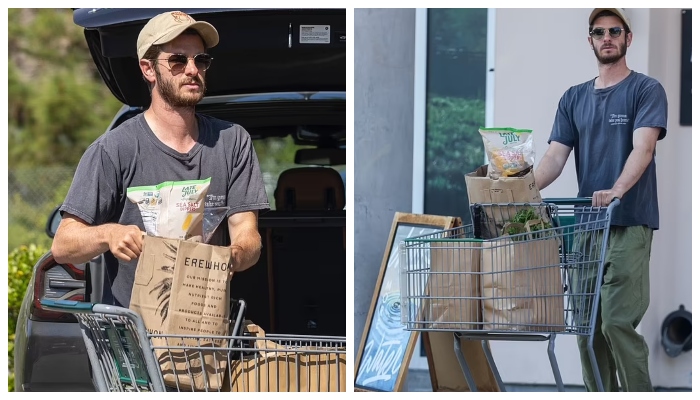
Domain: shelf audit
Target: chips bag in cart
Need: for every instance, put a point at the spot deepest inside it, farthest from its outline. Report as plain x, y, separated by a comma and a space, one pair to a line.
510, 151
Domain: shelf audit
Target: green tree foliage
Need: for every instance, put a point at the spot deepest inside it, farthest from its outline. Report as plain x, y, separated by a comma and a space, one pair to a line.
57, 102
58, 105
455, 146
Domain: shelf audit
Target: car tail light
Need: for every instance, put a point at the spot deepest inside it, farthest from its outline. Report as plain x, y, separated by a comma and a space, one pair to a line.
57, 281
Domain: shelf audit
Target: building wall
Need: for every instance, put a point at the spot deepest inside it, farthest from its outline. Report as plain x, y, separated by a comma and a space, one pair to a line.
539, 54
384, 58
671, 263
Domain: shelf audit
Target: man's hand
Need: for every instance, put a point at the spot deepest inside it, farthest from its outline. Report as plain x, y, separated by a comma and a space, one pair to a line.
78, 242
237, 253
603, 198
245, 240
125, 242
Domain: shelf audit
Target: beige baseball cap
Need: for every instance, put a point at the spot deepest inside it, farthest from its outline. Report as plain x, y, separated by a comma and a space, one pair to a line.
617, 11
167, 26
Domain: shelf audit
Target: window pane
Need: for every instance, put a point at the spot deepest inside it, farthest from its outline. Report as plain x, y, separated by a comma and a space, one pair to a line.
456, 94
276, 155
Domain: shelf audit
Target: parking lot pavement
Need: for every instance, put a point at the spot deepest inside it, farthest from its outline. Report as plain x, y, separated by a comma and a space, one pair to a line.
419, 381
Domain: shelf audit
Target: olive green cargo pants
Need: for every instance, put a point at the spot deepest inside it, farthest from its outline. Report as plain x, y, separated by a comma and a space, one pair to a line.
624, 298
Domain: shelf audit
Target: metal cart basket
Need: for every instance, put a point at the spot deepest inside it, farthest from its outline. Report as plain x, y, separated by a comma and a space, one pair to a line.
123, 356
519, 272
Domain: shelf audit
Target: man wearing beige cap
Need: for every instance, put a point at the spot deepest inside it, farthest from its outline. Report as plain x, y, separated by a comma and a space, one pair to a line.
167, 142
613, 122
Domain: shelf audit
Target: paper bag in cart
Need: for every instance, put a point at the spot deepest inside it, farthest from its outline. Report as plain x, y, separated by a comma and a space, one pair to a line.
284, 367
182, 288
485, 190
522, 286
453, 300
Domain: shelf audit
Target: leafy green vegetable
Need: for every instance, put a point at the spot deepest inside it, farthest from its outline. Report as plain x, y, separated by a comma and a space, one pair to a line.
522, 217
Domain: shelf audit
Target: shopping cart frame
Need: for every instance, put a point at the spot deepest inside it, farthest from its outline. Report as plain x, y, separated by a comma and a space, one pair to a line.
484, 335
107, 314
93, 318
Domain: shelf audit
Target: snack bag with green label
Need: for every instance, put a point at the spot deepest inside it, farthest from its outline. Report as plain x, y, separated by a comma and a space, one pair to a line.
510, 151
172, 209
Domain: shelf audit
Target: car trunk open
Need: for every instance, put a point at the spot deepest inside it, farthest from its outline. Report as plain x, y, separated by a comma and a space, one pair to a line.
259, 51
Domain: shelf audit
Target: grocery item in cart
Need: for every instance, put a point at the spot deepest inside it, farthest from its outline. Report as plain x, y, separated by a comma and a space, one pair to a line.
453, 286
535, 286
521, 278
510, 151
287, 363
528, 219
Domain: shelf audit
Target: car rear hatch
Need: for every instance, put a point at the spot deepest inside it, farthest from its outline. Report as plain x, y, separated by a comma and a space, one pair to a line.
259, 51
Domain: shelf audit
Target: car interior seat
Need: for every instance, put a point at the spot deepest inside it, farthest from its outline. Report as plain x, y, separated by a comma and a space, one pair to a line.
310, 188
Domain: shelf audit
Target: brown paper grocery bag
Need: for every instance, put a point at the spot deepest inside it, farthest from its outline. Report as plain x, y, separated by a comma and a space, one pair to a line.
274, 367
482, 189
323, 372
182, 288
453, 286
265, 370
522, 285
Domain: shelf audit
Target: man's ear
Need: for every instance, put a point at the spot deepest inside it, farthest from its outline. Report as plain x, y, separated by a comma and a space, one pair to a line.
147, 70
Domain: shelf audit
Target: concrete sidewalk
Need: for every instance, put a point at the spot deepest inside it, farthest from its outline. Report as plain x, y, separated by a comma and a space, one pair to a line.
419, 381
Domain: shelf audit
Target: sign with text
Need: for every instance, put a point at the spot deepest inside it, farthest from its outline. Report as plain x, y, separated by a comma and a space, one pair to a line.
386, 346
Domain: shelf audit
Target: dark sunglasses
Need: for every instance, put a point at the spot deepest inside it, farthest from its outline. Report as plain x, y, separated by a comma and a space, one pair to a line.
178, 62
598, 33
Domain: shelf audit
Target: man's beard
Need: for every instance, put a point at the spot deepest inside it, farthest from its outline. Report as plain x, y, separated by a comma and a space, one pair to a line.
611, 59
169, 92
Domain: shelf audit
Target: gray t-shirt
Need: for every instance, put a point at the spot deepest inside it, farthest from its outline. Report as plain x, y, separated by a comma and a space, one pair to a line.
131, 155
599, 125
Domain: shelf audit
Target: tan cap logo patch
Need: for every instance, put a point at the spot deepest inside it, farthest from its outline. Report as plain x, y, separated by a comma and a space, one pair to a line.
181, 17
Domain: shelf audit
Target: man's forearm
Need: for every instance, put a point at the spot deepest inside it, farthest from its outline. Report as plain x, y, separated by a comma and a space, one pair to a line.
547, 171
636, 164
245, 249
77, 244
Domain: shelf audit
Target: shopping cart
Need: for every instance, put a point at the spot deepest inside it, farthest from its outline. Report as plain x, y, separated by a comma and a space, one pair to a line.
123, 356
519, 272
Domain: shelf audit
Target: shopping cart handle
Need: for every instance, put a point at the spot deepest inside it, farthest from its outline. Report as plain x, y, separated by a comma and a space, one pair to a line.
578, 201
569, 201
67, 305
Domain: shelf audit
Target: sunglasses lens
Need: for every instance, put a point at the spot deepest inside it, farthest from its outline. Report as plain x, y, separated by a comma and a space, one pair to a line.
177, 61
202, 61
615, 32
598, 33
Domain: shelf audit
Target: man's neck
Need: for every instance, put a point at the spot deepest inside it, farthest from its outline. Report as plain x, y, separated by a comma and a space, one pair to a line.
176, 127
611, 74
